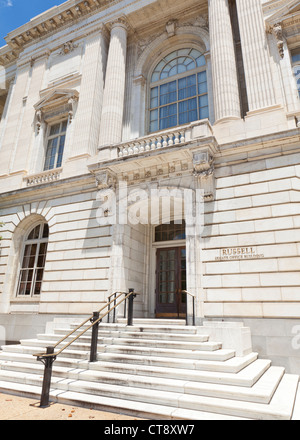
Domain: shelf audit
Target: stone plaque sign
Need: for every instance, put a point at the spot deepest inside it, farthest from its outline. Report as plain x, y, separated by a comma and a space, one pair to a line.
239, 253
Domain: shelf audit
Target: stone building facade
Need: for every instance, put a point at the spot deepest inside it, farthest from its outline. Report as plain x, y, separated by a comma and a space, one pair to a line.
119, 120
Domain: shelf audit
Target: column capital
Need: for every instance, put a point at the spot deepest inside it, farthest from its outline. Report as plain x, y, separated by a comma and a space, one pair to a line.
119, 22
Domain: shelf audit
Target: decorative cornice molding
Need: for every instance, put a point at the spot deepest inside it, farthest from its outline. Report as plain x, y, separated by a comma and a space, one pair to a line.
46, 24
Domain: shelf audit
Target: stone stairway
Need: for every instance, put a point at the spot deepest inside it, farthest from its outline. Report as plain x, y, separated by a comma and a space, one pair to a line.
156, 369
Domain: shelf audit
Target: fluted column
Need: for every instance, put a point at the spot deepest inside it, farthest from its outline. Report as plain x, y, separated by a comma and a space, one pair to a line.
113, 99
223, 62
259, 82
86, 132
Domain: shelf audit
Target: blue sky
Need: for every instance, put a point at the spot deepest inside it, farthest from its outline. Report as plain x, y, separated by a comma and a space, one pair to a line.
15, 13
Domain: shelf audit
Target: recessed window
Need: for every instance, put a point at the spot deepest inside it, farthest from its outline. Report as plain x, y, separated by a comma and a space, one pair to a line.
296, 67
33, 261
178, 90
55, 145
170, 231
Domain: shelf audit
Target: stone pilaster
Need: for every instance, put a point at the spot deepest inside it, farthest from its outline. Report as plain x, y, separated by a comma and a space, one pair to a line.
88, 114
25, 141
259, 82
223, 62
14, 118
113, 99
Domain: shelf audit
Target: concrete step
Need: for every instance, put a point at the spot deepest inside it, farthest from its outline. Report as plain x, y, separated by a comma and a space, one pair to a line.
261, 392
154, 370
142, 327
296, 412
235, 371
279, 408
246, 377
156, 343
201, 343
154, 321
225, 399
69, 358
230, 365
28, 358
118, 405
145, 352
32, 350
59, 333
32, 374
201, 350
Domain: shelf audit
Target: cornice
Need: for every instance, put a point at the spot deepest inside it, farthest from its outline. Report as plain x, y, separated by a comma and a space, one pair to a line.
48, 191
46, 24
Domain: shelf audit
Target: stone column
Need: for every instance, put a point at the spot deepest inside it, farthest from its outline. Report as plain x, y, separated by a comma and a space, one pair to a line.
259, 82
113, 99
223, 62
88, 114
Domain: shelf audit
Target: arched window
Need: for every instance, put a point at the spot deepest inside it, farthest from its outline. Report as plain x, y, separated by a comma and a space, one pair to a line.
33, 261
178, 90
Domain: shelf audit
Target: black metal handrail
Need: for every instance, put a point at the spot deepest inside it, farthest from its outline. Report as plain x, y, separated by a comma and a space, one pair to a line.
193, 296
50, 356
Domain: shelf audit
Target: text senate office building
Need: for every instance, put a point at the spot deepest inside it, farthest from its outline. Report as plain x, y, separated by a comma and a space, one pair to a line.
153, 145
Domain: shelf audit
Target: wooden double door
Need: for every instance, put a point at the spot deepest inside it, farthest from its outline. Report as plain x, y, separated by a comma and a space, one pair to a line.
170, 282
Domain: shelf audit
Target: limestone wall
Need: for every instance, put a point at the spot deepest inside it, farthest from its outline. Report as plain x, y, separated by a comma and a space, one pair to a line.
251, 241
76, 277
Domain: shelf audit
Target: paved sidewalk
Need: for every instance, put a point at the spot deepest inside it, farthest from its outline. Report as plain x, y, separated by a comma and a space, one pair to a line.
20, 408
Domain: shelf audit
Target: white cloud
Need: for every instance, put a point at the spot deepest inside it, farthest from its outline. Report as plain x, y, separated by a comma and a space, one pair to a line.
6, 3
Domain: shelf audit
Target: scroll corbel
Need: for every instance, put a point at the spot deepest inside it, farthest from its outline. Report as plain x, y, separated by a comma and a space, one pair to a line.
277, 31
39, 120
203, 162
72, 103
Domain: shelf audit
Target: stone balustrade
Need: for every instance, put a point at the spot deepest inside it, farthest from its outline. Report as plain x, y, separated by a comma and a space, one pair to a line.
43, 177
177, 136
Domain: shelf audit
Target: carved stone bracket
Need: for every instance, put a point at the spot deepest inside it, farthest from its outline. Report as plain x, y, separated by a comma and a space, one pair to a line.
203, 163
105, 179
68, 47
39, 120
72, 102
276, 30
171, 27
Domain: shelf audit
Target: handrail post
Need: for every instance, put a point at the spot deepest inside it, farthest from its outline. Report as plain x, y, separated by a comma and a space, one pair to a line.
115, 302
108, 307
193, 311
94, 341
48, 362
130, 307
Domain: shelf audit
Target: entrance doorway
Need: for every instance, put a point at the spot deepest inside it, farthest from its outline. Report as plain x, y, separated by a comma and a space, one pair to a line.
170, 281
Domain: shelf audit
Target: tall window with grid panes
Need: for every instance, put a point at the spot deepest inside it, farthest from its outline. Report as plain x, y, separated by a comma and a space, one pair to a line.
178, 90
